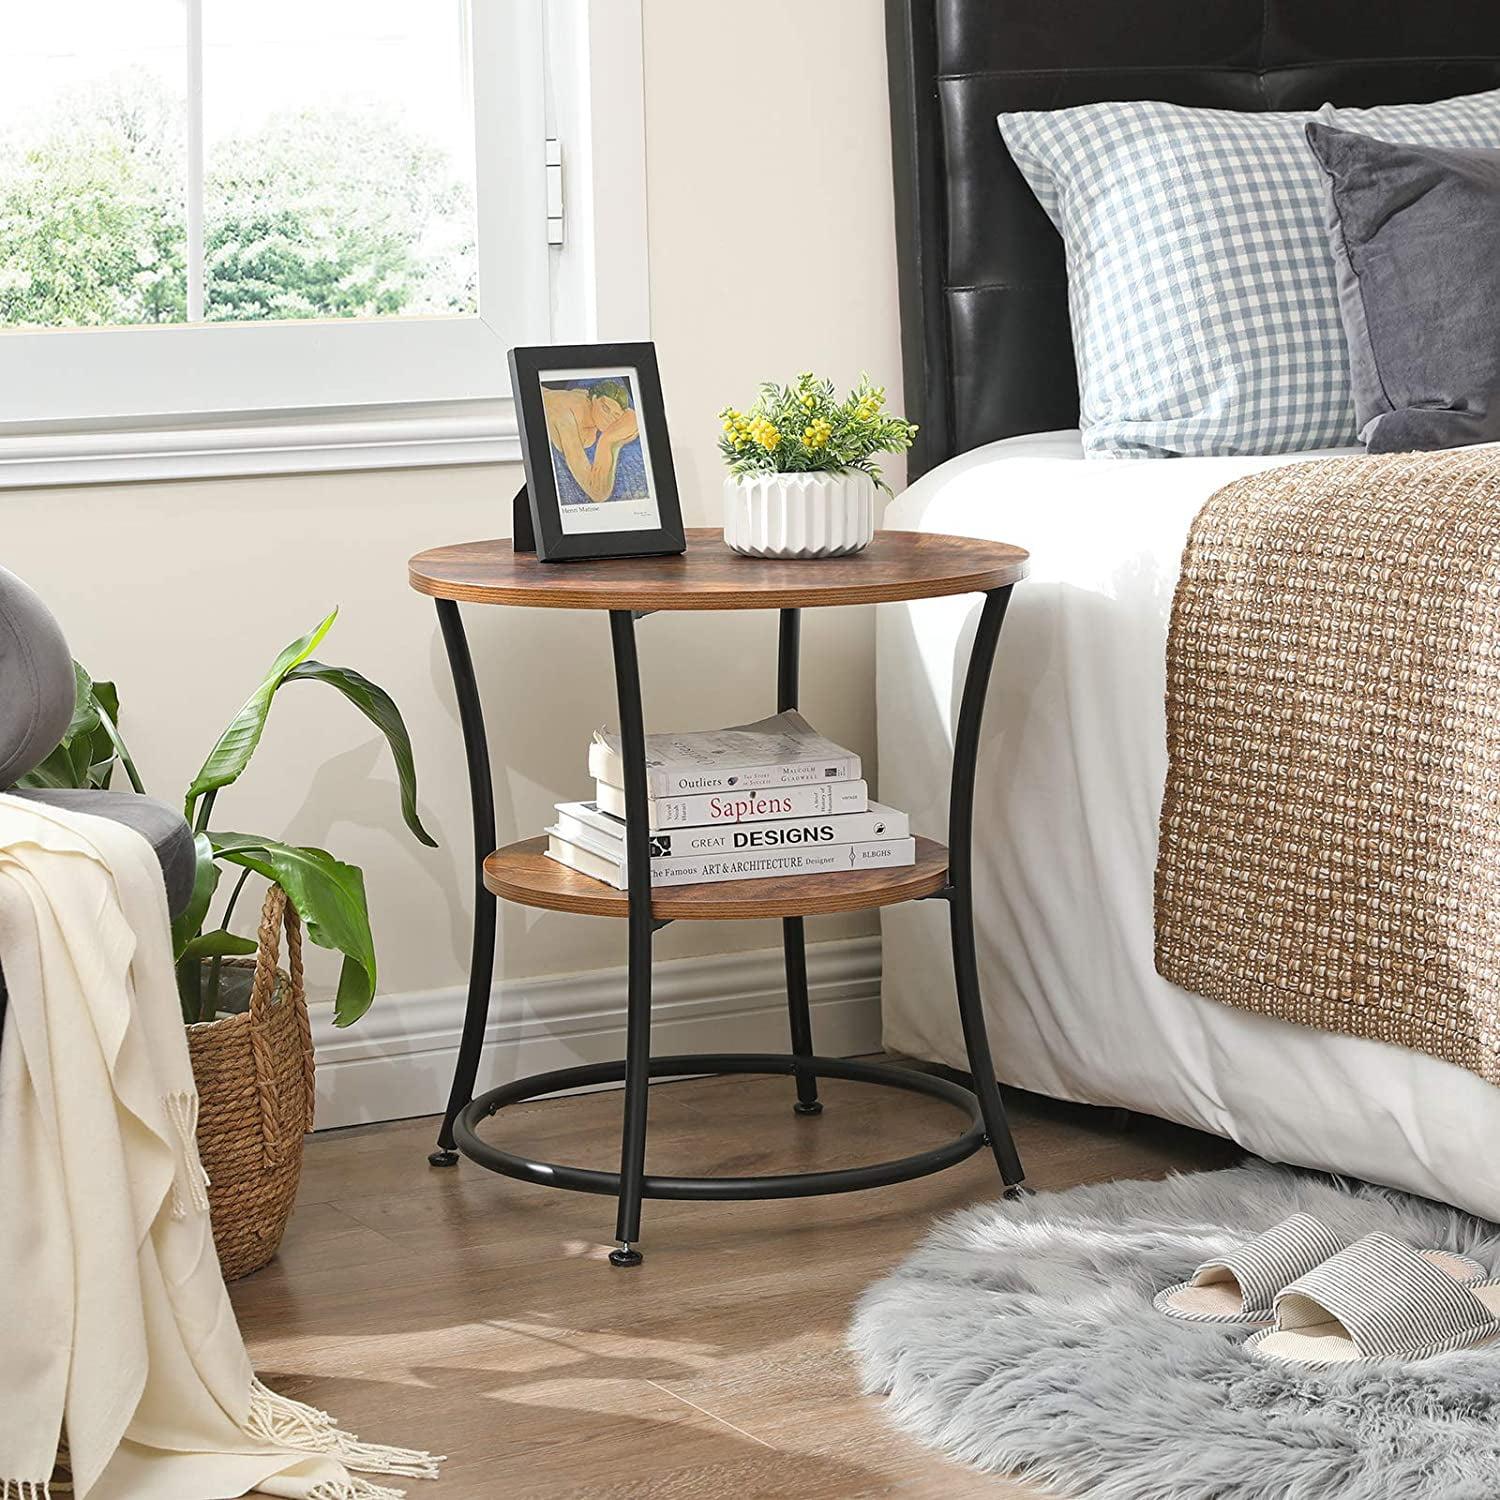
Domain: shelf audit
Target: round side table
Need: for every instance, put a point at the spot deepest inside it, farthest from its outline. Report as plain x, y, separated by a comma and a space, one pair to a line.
708, 576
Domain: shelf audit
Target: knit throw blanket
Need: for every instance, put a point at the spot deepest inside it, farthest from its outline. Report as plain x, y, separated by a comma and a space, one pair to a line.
1330, 832
123, 1371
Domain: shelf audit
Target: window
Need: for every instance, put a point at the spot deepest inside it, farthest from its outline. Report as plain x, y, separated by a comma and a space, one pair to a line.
243, 214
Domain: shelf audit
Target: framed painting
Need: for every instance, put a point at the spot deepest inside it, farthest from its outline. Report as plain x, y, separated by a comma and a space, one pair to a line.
599, 474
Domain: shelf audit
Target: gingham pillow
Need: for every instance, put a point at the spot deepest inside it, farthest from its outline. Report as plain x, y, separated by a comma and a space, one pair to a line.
1200, 281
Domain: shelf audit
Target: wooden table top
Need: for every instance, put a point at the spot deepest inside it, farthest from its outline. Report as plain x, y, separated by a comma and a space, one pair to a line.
523, 873
896, 565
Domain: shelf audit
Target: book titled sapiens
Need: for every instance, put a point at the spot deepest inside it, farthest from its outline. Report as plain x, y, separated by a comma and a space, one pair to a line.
818, 799
587, 824
690, 869
784, 750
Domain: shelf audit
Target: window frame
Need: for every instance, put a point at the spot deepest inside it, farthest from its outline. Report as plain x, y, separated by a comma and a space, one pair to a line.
104, 405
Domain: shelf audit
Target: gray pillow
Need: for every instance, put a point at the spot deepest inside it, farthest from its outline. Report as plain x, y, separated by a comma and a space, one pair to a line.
36, 681
1415, 232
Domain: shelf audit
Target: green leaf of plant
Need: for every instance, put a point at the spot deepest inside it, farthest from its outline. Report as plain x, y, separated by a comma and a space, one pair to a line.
187, 925
71, 761
56, 771
380, 709
109, 746
329, 897
98, 743
85, 715
219, 944
190, 991
236, 745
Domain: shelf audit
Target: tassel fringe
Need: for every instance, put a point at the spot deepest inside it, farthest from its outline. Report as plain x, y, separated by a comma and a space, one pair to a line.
281, 1422
182, 1110
41, 1489
353, 1489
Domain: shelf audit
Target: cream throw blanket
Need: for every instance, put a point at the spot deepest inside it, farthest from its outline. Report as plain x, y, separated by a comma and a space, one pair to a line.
117, 1334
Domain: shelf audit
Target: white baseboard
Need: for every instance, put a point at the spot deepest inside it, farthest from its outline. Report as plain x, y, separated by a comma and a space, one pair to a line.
398, 1061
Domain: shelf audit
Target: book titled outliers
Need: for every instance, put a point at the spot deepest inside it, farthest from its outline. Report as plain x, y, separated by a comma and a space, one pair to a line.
772, 798
784, 750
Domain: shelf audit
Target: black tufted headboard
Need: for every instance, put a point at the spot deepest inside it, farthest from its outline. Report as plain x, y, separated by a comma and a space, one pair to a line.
984, 318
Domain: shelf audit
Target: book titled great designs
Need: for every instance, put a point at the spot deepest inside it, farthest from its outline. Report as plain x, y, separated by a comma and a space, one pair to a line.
585, 823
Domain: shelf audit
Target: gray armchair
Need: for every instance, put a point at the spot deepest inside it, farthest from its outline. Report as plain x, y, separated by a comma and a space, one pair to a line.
36, 704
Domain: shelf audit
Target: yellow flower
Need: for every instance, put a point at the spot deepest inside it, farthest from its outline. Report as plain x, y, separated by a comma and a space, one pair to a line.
816, 434
765, 434
809, 402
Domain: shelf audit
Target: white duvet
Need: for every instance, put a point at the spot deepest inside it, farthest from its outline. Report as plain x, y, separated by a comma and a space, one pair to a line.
1071, 770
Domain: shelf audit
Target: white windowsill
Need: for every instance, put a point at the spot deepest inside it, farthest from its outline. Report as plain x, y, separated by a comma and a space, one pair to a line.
221, 447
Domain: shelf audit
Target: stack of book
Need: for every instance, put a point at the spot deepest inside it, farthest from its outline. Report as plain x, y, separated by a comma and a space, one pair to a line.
759, 800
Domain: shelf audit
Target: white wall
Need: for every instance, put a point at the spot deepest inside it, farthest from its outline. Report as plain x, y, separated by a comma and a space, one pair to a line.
771, 251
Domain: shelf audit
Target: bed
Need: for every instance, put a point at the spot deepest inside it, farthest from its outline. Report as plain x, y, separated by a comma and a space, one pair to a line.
1074, 759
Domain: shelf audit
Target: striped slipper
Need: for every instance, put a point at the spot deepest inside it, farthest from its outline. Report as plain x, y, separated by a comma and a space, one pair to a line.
1240, 1289
1377, 1300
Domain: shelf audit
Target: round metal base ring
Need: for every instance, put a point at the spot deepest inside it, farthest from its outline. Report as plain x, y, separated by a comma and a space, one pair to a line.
716, 1189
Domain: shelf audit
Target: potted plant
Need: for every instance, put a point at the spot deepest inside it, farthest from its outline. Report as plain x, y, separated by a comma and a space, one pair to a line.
802, 471
246, 1015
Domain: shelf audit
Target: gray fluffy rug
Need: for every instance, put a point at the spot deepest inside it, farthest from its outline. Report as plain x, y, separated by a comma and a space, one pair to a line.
1020, 1338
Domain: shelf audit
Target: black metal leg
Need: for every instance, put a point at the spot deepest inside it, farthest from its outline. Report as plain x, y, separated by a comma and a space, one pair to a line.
793, 939
794, 947
788, 653
482, 799
961, 893
638, 1002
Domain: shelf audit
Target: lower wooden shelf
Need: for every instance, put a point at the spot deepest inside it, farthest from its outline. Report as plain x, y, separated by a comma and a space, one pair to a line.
523, 873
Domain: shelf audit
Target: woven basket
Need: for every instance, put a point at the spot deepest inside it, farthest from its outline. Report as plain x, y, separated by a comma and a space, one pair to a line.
254, 1073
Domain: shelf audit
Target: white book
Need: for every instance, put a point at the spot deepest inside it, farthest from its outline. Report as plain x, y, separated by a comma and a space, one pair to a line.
585, 823
819, 799
820, 859
784, 750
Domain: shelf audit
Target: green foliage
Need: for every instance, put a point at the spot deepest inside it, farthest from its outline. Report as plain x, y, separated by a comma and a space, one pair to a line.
330, 898
217, 944
86, 240
86, 755
321, 213
380, 709
232, 751
327, 894
189, 922
327, 213
804, 428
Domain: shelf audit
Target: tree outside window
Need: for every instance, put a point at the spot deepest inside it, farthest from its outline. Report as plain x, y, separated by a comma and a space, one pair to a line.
334, 209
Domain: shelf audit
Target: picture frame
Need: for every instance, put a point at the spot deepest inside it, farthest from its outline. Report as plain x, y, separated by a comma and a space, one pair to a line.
598, 458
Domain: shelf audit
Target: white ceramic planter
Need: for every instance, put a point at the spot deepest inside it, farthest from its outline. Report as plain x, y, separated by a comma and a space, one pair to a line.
799, 515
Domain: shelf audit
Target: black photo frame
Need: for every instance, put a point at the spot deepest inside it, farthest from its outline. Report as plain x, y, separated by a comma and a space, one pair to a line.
588, 393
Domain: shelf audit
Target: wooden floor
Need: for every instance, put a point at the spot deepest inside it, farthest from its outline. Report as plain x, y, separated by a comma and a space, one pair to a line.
476, 1316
